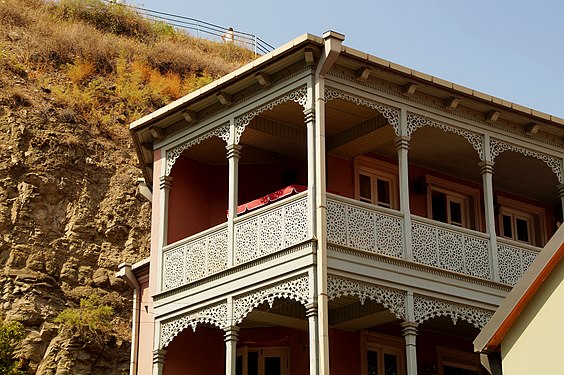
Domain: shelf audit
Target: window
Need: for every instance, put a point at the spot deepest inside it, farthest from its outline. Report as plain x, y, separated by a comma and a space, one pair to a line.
376, 182
453, 203
382, 354
262, 361
521, 222
456, 362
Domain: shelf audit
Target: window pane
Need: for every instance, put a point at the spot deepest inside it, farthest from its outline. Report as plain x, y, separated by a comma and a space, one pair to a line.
253, 363
365, 188
522, 227
390, 364
372, 362
272, 366
239, 365
383, 188
455, 213
507, 232
438, 203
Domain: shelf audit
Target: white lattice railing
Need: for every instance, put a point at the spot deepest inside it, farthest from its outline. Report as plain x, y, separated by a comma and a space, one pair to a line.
363, 226
195, 257
267, 230
451, 248
271, 228
514, 259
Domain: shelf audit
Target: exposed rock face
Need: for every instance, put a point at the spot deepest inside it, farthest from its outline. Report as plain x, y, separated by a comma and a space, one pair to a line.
69, 214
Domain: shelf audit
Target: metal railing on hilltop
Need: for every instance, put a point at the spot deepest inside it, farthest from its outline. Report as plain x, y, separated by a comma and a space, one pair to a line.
202, 29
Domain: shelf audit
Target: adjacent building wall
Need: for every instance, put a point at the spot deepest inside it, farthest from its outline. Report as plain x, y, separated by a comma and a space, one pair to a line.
533, 345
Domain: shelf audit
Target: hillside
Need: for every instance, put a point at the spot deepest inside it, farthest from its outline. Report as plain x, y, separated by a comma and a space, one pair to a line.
73, 75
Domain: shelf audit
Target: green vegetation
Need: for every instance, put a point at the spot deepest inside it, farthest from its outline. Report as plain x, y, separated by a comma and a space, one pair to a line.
11, 333
92, 321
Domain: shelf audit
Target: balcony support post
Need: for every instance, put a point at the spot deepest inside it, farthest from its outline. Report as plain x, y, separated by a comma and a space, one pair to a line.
233, 155
410, 335
311, 314
165, 184
230, 337
486, 169
560, 188
309, 115
402, 147
158, 361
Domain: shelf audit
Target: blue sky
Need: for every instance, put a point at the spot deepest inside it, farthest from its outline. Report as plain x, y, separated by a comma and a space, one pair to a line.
510, 49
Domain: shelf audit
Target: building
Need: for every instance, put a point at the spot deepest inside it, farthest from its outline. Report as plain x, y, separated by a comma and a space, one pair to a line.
324, 210
528, 324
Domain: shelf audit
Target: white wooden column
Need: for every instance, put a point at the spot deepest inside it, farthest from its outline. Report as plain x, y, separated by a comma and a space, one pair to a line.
311, 314
486, 169
309, 114
561, 195
410, 335
230, 337
321, 227
402, 147
233, 155
158, 361
165, 184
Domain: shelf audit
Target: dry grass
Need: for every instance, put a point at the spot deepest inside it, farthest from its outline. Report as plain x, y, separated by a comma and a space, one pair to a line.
105, 63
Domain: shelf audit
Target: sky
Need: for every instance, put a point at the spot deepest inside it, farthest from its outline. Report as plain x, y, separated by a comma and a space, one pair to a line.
510, 49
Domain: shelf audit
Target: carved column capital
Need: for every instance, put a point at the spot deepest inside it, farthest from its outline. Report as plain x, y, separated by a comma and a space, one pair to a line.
560, 188
311, 309
409, 328
231, 333
486, 167
159, 356
165, 182
309, 114
233, 151
402, 142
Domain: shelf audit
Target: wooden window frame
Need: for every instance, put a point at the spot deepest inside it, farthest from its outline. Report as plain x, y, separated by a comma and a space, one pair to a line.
377, 169
382, 344
467, 194
276, 351
458, 359
524, 211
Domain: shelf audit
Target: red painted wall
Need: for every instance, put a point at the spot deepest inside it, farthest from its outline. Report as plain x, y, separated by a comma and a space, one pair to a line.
340, 176
198, 198
344, 352
196, 353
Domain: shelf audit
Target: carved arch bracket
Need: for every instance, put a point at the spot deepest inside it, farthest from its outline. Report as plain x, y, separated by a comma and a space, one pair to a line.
296, 289
173, 154
215, 315
427, 308
497, 147
393, 300
299, 96
415, 122
389, 113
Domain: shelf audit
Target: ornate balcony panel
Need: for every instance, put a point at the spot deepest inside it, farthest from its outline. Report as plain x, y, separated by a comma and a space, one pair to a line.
271, 229
197, 257
513, 260
450, 248
364, 227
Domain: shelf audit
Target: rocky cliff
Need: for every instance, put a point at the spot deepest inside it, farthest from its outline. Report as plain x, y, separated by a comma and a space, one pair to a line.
69, 207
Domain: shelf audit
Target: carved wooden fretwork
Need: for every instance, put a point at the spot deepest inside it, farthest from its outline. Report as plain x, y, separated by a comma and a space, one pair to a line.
389, 113
427, 308
392, 299
174, 153
415, 122
497, 147
215, 315
299, 96
296, 289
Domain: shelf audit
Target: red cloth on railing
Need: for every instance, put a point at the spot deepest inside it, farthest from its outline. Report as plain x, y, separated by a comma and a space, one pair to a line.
263, 201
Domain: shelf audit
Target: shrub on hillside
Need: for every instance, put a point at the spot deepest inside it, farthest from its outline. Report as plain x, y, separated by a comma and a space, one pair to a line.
11, 333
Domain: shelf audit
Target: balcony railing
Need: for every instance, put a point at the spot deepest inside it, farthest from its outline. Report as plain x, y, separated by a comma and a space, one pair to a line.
379, 230
267, 230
